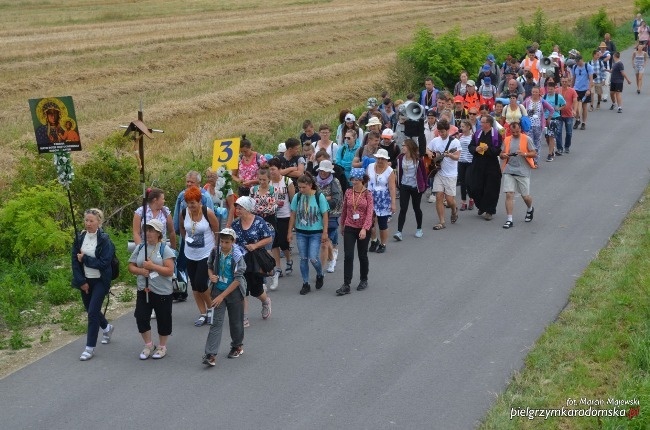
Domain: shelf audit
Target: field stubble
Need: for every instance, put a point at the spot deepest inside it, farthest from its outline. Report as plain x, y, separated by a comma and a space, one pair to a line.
207, 70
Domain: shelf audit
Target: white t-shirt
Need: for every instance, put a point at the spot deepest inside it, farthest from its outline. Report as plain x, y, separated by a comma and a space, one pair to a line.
448, 167
332, 149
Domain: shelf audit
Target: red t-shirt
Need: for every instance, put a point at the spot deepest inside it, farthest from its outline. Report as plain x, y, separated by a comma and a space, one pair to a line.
569, 95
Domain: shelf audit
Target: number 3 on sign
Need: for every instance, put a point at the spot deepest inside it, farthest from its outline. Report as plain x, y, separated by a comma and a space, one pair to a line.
226, 153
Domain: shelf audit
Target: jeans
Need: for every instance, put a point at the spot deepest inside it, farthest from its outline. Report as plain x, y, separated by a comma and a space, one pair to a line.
234, 303
309, 250
568, 127
405, 194
350, 238
93, 305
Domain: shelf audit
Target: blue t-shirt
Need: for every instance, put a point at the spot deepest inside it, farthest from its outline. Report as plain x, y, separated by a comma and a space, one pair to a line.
551, 100
309, 213
225, 271
582, 74
259, 230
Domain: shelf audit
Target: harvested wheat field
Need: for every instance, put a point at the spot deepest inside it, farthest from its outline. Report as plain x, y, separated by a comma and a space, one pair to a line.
207, 69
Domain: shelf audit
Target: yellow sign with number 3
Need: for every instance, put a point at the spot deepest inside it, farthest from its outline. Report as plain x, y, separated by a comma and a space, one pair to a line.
225, 153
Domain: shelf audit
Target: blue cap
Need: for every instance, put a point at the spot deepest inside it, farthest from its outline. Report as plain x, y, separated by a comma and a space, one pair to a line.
486, 68
357, 173
490, 57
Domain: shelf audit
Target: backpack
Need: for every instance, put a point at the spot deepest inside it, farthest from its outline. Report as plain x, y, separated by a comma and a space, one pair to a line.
115, 267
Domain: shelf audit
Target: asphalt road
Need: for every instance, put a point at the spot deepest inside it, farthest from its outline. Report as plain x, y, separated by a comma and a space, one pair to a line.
446, 321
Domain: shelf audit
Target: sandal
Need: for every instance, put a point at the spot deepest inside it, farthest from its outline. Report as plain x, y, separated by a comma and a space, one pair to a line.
200, 321
454, 216
508, 225
289, 269
439, 226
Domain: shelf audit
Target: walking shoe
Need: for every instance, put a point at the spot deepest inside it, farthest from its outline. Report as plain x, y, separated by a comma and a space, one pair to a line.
106, 336
398, 236
146, 352
275, 280
612, 106
549, 157
200, 321
362, 285
331, 266
576, 125
583, 126
508, 224
210, 360
471, 205
159, 353
266, 308
345, 289
305, 289
381, 249
638, 91
87, 354
419, 233
373, 245
559, 152
620, 110
235, 352
567, 151
289, 267
432, 198
605, 97
529, 215
463, 207
319, 281
487, 216
247, 323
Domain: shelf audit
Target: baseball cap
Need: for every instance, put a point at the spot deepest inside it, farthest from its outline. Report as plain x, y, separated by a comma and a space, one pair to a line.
228, 232
350, 117
156, 225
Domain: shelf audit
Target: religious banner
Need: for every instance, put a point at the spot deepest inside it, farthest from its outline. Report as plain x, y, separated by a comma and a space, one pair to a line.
55, 124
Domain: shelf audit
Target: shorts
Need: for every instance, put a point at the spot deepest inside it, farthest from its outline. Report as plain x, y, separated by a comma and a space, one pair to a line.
598, 88
281, 231
553, 126
616, 87
516, 184
254, 284
444, 184
639, 70
582, 98
382, 222
197, 271
333, 230
162, 304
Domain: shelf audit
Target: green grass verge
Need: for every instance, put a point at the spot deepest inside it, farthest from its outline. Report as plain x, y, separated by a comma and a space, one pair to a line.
599, 347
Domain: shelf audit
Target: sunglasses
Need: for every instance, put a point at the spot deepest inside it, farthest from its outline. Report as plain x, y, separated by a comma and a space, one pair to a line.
348, 137
473, 113
92, 212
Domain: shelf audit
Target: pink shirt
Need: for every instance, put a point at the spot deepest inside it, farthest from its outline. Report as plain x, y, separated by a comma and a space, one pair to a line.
361, 204
569, 95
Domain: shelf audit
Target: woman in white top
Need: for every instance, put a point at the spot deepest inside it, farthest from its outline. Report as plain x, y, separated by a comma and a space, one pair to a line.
199, 228
92, 254
154, 267
156, 209
513, 112
284, 190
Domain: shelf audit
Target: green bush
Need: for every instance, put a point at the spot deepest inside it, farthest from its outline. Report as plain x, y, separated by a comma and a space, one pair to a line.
109, 180
35, 224
17, 296
536, 30
18, 340
602, 23
642, 6
57, 289
74, 319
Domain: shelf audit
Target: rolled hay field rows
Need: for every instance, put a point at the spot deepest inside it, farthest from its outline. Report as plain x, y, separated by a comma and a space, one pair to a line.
206, 69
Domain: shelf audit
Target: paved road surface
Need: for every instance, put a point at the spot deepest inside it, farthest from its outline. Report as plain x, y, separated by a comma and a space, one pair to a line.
445, 322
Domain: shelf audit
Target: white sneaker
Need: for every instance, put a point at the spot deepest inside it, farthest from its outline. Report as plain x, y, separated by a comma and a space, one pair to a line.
335, 254
604, 98
418, 232
398, 236
331, 266
274, 282
432, 198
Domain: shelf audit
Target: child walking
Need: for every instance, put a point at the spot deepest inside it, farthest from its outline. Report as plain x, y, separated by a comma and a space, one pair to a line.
226, 269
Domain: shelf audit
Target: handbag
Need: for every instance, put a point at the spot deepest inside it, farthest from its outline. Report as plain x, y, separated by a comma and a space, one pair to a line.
264, 262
